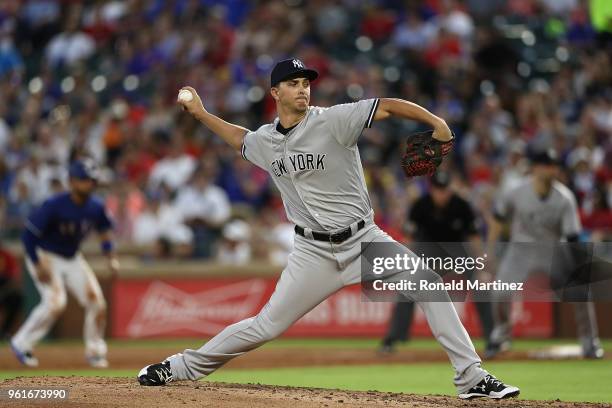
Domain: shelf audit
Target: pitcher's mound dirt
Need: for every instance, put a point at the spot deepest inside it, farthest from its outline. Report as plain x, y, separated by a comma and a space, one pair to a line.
125, 392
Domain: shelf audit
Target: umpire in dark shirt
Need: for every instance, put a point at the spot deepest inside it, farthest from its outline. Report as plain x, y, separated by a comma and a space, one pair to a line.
438, 216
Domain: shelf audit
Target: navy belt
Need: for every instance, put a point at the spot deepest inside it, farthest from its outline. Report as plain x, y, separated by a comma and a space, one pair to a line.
335, 238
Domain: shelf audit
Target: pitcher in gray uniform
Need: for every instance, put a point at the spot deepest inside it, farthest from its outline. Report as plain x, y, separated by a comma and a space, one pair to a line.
311, 155
541, 212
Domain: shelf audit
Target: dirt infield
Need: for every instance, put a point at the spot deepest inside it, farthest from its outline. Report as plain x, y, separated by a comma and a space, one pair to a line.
62, 357
121, 392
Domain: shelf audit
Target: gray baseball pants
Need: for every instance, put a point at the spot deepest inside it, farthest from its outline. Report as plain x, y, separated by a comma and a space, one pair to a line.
518, 263
315, 271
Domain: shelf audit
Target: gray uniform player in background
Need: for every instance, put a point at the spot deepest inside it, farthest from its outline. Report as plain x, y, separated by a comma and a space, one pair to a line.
312, 157
542, 211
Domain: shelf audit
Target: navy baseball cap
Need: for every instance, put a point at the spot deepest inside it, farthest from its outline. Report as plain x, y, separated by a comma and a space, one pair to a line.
291, 68
441, 179
84, 169
546, 157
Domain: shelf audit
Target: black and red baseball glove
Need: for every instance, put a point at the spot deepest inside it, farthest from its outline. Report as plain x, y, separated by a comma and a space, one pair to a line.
424, 154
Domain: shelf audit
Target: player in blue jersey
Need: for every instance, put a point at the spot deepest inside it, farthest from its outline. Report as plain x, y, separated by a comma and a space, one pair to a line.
52, 237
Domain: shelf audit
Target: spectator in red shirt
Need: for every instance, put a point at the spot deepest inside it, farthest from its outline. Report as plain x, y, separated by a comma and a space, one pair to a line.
10, 295
445, 48
378, 24
599, 219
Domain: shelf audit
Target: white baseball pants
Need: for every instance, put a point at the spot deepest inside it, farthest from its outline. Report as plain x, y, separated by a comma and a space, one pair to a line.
76, 275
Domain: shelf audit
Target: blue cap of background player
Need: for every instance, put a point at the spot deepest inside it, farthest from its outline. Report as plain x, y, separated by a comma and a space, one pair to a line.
546, 157
84, 169
441, 179
291, 68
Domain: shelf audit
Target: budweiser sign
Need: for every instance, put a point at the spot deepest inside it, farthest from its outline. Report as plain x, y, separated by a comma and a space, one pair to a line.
204, 307
164, 308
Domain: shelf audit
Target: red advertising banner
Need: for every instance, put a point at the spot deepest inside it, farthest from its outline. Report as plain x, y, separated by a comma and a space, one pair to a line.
189, 307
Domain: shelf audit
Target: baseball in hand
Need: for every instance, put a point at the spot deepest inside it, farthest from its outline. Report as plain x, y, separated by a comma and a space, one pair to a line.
185, 95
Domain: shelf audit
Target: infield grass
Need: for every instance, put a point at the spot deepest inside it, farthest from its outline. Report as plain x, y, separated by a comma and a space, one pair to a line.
565, 380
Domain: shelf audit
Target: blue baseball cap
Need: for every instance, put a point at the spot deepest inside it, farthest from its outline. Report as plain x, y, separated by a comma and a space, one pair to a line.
291, 68
84, 169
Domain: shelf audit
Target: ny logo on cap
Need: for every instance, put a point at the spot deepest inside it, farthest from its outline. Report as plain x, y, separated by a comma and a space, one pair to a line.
297, 63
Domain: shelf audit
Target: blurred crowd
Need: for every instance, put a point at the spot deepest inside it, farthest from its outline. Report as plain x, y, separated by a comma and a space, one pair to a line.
100, 79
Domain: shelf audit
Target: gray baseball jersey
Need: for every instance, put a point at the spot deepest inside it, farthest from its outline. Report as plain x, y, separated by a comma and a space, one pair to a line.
542, 221
536, 219
316, 166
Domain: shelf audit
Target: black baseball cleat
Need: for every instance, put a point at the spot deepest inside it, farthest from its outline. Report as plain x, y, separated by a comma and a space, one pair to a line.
491, 387
494, 349
387, 347
594, 353
491, 351
156, 374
